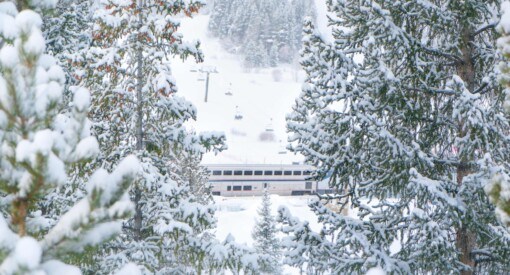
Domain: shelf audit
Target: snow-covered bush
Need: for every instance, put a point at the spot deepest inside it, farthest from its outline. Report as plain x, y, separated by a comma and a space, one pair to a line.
37, 146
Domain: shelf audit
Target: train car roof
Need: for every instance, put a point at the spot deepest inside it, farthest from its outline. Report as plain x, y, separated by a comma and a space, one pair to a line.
259, 166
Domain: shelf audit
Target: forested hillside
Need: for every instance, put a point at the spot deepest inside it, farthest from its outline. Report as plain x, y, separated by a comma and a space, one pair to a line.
265, 32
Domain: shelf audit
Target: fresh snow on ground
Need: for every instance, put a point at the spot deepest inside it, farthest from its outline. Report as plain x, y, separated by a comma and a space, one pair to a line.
236, 216
260, 98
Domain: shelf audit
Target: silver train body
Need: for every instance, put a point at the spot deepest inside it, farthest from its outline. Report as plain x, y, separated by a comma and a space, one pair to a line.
250, 180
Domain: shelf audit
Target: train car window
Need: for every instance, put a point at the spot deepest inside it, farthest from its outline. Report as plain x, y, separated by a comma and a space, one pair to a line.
278, 173
227, 173
216, 193
268, 173
247, 188
248, 173
237, 188
238, 173
308, 185
229, 188
216, 173
307, 173
258, 173
297, 173
287, 173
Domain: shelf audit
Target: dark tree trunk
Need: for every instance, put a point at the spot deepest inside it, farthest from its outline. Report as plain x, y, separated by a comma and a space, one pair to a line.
465, 240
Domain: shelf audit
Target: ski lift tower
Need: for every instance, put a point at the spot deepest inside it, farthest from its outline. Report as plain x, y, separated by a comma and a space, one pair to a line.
207, 70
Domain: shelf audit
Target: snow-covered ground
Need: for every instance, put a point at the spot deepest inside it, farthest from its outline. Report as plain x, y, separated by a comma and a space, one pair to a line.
261, 100
236, 216
263, 96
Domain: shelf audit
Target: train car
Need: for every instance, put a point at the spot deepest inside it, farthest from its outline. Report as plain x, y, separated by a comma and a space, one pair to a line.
251, 179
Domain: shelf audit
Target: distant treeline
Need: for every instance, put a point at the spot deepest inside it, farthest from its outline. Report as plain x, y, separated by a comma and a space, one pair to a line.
266, 32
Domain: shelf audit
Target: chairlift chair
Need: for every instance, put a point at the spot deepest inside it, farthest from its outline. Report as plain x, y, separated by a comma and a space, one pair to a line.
238, 115
283, 150
229, 91
269, 127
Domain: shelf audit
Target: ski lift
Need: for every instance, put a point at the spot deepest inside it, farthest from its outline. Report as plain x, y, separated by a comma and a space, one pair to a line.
283, 150
238, 115
269, 127
229, 91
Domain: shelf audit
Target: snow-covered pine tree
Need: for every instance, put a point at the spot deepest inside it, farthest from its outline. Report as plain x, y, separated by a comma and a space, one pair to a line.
135, 109
196, 176
255, 55
403, 112
218, 24
302, 248
499, 187
38, 144
300, 10
67, 30
239, 258
265, 240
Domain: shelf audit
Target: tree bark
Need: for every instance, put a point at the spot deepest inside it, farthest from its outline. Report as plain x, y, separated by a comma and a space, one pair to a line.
140, 82
139, 120
465, 239
22, 4
19, 215
137, 225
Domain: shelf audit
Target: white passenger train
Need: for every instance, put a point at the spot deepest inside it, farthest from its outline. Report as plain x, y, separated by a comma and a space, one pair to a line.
250, 180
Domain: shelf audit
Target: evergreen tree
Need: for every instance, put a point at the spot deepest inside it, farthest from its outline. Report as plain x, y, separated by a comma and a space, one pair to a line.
499, 187
273, 57
38, 144
415, 126
66, 30
239, 259
217, 24
267, 243
255, 55
303, 248
136, 109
